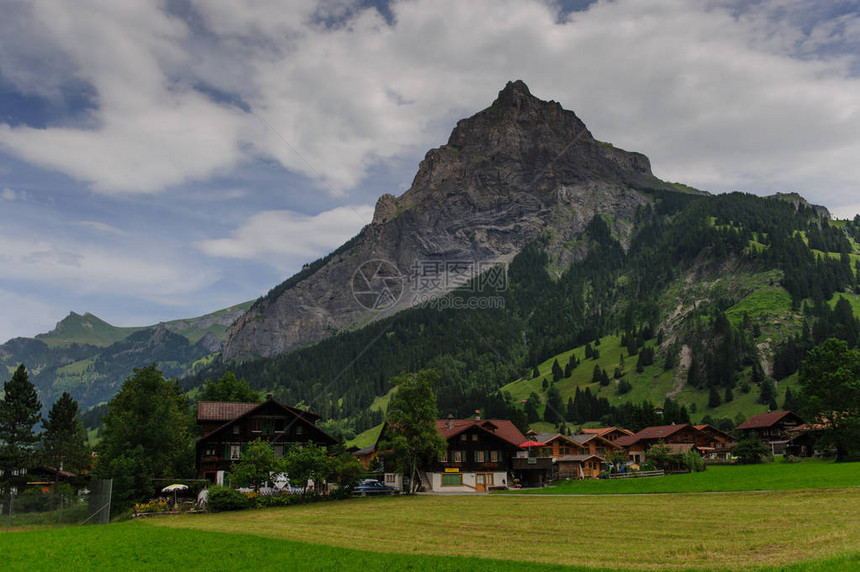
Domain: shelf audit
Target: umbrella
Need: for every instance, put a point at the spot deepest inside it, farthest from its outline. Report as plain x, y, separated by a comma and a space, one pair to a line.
173, 489
531, 443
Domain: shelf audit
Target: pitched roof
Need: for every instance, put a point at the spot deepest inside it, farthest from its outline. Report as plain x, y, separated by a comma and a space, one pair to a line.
603, 431
222, 410
501, 428
650, 433
711, 429
579, 458
227, 410
767, 420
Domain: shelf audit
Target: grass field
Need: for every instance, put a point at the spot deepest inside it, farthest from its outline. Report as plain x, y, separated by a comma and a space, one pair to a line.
799, 528
810, 474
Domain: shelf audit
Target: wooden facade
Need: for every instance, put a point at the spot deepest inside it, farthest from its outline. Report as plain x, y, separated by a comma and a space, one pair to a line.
229, 428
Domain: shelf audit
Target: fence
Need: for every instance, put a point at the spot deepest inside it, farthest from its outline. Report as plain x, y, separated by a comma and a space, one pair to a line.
46, 504
637, 474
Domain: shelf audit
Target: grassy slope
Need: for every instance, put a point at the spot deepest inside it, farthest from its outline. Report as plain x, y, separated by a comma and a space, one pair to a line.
766, 304
86, 329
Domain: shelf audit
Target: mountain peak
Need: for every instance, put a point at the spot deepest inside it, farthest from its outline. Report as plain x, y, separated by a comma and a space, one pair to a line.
514, 92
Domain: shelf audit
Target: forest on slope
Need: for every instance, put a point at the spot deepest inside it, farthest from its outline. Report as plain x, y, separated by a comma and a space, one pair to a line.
724, 293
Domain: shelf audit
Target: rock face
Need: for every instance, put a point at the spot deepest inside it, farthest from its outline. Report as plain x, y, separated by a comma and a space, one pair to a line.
507, 175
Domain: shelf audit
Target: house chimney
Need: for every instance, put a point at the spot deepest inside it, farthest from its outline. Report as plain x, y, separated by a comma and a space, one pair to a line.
477, 414
449, 424
269, 396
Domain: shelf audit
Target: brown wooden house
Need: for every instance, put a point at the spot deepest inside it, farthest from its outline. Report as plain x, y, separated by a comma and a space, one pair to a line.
228, 428
775, 428
638, 443
713, 443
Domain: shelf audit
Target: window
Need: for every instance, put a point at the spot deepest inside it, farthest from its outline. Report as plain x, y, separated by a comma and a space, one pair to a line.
443, 457
236, 429
456, 456
299, 430
474, 436
390, 478
268, 426
494, 456
479, 456
452, 480
463, 437
256, 425
235, 452
210, 451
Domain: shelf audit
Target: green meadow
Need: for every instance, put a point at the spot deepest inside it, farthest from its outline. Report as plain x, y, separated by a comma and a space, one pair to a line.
796, 517
810, 474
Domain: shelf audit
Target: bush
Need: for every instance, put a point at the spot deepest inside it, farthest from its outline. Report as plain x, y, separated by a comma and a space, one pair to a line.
224, 499
750, 450
694, 462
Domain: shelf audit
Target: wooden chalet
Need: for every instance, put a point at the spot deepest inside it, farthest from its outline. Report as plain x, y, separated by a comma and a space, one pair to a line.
480, 455
576, 456
775, 428
638, 443
229, 427
713, 443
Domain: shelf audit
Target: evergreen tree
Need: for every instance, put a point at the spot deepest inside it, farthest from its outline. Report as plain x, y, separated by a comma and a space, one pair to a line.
554, 412
729, 396
64, 440
557, 372
714, 398
789, 403
19, 414
767, 393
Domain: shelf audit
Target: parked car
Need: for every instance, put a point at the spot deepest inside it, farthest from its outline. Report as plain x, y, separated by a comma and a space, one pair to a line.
373, 487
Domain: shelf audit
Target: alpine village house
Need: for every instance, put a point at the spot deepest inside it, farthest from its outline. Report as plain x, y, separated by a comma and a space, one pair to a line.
229, 427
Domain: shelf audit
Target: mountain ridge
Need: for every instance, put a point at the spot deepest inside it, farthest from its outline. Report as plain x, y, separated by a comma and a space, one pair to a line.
504, 176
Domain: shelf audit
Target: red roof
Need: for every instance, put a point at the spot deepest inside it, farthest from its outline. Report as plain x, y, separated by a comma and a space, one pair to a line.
501, 428
767, 420
711, 429
658, 432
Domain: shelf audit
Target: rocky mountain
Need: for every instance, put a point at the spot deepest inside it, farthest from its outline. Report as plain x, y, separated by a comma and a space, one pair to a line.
521, 168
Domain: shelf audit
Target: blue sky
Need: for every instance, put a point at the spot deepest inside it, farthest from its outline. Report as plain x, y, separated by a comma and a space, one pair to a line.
162, 160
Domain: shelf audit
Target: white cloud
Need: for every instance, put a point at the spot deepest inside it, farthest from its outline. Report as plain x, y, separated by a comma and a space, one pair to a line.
717, 98
25, 316
280, 237
88, 269
8, 194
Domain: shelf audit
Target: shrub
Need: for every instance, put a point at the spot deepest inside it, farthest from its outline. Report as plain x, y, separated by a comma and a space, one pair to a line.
694, 462
224, 498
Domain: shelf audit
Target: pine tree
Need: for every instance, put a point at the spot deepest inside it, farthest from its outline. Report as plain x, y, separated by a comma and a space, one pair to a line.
789, 404
714, 398
557, 372
19, 414
729, 396
64, 439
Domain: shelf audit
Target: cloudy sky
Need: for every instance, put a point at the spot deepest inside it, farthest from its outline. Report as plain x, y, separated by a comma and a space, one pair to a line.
161, 160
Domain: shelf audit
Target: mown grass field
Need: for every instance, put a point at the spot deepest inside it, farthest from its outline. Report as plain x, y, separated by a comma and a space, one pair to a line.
809, 475
731, 531
799, 528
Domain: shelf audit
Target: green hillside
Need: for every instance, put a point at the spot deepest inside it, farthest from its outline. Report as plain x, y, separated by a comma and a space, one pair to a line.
85, 329
723, 295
